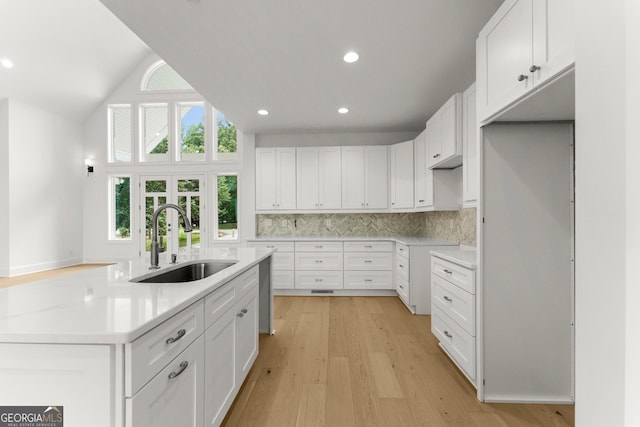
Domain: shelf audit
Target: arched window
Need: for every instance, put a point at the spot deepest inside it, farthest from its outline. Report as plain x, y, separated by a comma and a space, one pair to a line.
161, 77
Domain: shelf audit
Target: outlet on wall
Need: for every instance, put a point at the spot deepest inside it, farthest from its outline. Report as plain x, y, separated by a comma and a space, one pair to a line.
327, 222
284, 223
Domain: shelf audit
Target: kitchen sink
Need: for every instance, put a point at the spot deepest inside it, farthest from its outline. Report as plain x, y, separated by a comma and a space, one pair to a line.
186, 272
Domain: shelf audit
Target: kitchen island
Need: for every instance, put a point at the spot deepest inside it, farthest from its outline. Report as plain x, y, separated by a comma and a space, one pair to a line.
112, 352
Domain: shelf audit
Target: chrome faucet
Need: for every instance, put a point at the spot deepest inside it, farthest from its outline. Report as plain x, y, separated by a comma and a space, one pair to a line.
155, 246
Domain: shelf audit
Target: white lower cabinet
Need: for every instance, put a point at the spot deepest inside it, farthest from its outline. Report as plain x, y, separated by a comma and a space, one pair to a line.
453, 315
175, 396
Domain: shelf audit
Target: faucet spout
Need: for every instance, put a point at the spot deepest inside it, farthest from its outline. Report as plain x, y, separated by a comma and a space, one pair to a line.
155, 246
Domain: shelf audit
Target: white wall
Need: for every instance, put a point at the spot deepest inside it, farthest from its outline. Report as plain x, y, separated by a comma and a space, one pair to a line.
632, 146
607, 233
45, 189
4, 187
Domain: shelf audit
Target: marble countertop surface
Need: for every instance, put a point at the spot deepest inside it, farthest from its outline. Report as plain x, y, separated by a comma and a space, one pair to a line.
465, 256
101, 305
407, 240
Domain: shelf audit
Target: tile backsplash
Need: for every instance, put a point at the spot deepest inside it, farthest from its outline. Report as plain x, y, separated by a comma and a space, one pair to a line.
459, 226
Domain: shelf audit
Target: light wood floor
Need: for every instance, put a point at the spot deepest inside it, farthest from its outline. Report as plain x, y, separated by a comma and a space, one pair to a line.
5, 282
365, 361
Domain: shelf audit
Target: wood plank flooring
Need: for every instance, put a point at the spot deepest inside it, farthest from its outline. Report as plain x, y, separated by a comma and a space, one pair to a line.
365, 361
6, 282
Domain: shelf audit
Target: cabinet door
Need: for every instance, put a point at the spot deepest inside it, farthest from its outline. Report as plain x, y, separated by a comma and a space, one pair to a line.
553, 37
266, 179
220, 367
353, 177
376, 178
175, 396
246, 334
504, 55
307, 176
450, 141
402, 175
286, 178
420, 169
434, 139
469, 148
329, 178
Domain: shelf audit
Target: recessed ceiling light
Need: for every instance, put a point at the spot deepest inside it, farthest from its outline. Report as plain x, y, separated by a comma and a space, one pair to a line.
343, 110
6, 63
263, 112
351, 57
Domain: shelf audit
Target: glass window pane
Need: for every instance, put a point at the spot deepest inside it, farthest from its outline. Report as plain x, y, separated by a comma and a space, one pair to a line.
187, 185
227, 138
155, 138
192, 138
120, 133
163, 77
227, 207
121, 208
159, 186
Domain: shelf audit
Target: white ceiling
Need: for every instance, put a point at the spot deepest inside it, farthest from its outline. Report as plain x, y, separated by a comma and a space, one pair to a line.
68, 54
242, 55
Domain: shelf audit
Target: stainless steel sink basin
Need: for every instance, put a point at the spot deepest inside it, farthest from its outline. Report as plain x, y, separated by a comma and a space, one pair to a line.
185, 272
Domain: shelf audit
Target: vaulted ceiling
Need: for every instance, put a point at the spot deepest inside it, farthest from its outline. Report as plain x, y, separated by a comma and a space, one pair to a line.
243, 55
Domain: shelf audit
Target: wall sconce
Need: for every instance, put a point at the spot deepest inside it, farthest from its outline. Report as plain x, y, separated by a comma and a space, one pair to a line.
89, 164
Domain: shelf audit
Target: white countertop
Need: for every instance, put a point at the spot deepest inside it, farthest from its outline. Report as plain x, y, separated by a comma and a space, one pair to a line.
465, 256
101, 305
407, 240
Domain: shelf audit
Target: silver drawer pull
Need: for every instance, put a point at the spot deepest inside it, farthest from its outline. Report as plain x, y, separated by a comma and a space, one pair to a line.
180, 334
448, 271
400, 265
318, 246
448, 299
368, 280
368, 261
368, 246
319, 261
401, 287
241, 313
421, 201
177, 373
319, 280
448, 334
270, 247
244, 311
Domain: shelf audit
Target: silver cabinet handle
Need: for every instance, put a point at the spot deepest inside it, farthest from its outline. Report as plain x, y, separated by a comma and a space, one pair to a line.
319, 261
421, 201
522, 77
435, 156
448, 271
368, 280
533, 68
448, 334
318, 246
367, 261
319, 280
244, 311
448, 299
177, 373
180, 334
368, 246
401, 266
240, 314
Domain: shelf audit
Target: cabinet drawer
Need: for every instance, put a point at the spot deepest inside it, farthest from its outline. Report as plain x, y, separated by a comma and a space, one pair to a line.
282, 279
175, 396
456, 303
280, 246
150, 353
402, 288
457, 342
454, 273
402, 267
318, 246
282, 261
368, 246
402, 249
319, 280
319, 261
368, 280
368, 261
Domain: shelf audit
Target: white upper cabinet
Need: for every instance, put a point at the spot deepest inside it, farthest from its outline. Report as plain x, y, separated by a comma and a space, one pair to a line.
319, 175
469, 148
524, 44
365, 177
402, 175
275, 178
444, 135
420, 170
